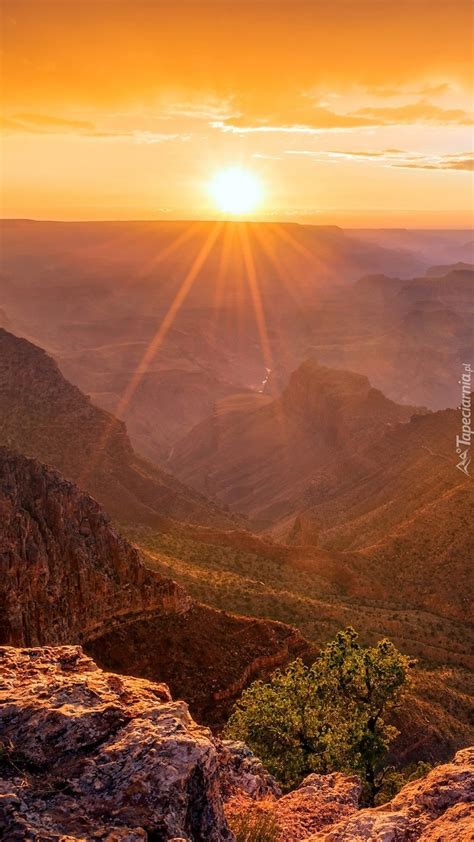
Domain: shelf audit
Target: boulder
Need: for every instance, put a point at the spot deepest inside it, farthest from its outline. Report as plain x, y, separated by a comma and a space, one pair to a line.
93, 755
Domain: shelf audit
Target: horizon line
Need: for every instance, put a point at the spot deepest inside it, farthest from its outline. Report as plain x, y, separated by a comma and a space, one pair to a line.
239, 221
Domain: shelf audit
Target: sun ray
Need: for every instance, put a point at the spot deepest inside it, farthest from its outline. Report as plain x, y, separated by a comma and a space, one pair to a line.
251, 273
155, 343
262, 236
224, 261
175, 244
298, 247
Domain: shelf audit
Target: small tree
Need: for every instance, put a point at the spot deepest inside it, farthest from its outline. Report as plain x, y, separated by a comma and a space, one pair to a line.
328, 716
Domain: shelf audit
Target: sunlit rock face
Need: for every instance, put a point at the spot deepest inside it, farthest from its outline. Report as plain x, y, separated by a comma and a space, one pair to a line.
94, 755
325, 808
66, 573
44, 416
437, 808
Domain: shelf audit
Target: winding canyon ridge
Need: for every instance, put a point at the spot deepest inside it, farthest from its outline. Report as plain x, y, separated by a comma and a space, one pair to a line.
236, 362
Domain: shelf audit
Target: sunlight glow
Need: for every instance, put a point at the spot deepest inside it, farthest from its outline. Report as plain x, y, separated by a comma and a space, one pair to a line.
236, 191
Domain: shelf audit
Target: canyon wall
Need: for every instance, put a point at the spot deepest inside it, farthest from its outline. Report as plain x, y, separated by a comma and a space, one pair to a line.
67, 575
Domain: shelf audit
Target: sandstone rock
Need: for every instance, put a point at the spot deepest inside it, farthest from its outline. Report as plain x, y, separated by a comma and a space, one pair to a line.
67, 576
66, 573
319, 802
89, 755
437, 808
242, 772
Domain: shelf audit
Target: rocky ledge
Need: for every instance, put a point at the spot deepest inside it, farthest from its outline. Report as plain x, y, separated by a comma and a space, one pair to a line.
94, 755
89, 755
66, 573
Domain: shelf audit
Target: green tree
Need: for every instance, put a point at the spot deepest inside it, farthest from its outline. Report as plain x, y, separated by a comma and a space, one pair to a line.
326, 717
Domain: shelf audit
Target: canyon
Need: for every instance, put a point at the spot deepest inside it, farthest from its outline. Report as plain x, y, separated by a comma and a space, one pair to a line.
221, 443
95, 296
45, 416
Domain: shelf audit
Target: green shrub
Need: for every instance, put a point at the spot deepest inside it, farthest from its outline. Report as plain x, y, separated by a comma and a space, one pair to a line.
325, 717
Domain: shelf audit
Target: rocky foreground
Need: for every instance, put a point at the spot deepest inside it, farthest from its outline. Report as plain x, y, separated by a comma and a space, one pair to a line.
91, 755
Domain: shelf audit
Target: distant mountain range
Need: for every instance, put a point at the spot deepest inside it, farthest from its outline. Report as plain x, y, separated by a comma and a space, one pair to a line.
244, 298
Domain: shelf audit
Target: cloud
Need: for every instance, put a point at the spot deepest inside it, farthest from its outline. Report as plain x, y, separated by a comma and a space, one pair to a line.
446, 162
314, 121
425, 90
321, 119
393, 158
47, 124
203, 108
422, 111
265, 157
44, 121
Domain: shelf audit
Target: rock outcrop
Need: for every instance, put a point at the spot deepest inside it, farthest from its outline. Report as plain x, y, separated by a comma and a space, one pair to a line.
243, 774
320, 802
92, 755
437, 808
325, 808
67, 575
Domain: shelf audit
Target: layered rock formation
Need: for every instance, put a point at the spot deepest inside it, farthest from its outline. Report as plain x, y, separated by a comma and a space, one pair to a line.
66, 573
325, 808
67, 576
91, 755
44, 416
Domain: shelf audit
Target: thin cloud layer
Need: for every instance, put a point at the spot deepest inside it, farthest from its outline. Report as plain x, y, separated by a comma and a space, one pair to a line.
47, 124
320, 119
392, 158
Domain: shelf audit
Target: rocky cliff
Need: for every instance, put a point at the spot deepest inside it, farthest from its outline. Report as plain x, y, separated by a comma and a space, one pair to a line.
88, 755
68, 577
66, 573
325, 808
91, 755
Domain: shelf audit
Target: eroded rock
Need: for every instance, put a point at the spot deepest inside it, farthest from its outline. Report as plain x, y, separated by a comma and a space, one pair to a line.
94, 755
436, 808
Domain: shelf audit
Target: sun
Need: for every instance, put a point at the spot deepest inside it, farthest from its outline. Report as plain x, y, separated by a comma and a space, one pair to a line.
236, 191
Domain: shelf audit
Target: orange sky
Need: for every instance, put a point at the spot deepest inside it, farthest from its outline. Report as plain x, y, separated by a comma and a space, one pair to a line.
356, 112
